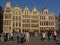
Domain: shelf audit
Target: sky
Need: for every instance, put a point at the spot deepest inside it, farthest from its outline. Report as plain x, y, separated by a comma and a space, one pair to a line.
53, 5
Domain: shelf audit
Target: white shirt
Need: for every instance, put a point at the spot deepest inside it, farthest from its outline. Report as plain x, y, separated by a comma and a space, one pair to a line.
43, 35
27, 35
55, 33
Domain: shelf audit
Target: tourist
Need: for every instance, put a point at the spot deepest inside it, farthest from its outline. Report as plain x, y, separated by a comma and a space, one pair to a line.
49, 35
54, 35
11, 37
27, 37
18, 37
43, 36
22, 38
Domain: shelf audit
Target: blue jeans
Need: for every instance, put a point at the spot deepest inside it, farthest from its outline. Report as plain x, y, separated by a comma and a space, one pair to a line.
48, 37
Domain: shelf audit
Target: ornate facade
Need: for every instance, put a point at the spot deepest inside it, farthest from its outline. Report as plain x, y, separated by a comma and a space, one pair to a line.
16, 19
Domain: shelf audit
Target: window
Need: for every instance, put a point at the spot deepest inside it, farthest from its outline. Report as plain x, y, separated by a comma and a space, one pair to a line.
7, 22
42, 17
34, 12
26, 20
16, 12
16, 17
42, 28
52, 23
49, 23
10, 16
13, 17
40, 23
51, 18
46, 23
7, 16
35, 16
19, 23
26, 25
19, 17
7, 11
25, 30
8, 8
26, 16
13, 24
16, 23
34, 25
9, 27
4, 22
34, 21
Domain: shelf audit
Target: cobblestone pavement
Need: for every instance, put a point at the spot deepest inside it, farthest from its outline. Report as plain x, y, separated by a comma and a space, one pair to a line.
34, 41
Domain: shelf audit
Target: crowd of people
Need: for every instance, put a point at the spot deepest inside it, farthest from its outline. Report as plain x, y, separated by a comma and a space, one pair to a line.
20, 37
49, 35
25, 36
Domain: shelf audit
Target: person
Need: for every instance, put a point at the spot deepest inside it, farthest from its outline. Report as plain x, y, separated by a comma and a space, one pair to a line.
22, 38
2, 39
18, 37
36, 34
54, 35
49, 35
43, 36
27, 37
6, 37
11, 36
